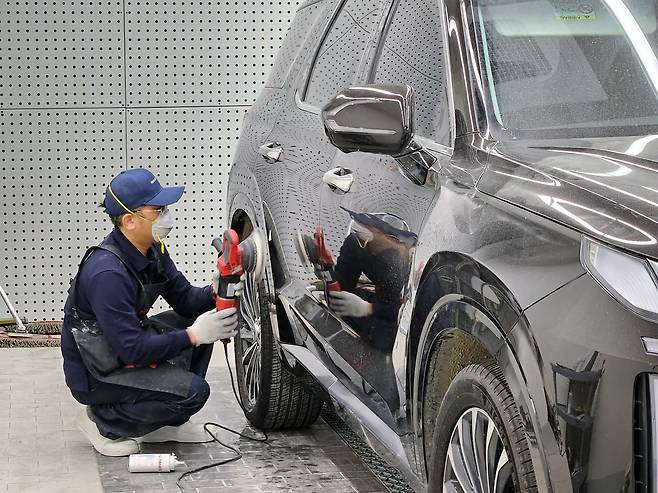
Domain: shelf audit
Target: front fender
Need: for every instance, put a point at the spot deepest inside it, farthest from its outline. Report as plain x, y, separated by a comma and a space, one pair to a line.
522, 362
457, 313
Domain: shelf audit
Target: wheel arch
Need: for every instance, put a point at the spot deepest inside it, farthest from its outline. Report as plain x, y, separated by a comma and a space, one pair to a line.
243, 218
464, 311
454, 277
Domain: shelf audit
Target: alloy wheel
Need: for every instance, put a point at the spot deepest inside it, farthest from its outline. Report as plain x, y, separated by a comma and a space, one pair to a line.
250, 331
477, 461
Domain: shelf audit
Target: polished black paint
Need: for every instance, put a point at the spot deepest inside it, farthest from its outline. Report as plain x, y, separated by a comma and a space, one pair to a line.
608, 188
495, 266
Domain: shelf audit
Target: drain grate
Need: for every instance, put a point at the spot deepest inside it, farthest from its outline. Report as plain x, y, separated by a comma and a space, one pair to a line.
390, 477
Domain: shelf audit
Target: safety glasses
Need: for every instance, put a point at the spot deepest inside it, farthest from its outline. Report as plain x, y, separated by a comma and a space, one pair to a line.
158, 212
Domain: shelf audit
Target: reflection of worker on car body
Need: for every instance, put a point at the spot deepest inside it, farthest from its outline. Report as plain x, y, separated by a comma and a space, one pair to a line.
377, 246
139, 377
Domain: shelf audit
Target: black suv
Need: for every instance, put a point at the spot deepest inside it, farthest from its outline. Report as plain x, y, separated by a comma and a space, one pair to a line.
461, 205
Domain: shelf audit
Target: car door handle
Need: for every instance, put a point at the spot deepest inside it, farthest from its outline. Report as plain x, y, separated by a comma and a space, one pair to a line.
339, 179
272, 152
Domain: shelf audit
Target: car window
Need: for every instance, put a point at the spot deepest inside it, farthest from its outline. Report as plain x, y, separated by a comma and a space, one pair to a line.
555, 69
341, 52
412, 53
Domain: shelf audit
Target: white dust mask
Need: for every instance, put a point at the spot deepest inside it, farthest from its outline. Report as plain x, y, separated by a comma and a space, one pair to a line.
163, 225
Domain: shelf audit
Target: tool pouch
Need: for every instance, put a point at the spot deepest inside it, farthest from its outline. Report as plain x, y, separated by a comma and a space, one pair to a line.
96, 353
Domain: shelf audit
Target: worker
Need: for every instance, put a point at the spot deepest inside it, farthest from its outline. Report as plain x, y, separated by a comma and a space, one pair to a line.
141, 378
378, 246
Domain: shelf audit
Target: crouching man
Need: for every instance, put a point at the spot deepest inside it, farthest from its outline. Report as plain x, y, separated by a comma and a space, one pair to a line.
141, 378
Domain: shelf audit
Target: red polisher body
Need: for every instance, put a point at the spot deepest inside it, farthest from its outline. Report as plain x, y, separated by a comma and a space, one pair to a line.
324, 258
230, 267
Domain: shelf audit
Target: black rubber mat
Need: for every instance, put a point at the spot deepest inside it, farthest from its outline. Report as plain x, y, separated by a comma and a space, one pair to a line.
390, 477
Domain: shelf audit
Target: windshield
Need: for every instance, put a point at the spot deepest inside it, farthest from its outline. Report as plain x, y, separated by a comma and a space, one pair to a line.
570, 68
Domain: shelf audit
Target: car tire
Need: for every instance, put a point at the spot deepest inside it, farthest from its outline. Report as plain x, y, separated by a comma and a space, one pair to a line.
479, 394
272, 397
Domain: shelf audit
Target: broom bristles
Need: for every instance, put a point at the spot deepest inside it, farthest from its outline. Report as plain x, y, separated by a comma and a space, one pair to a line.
47, 327
42, 334
44, 327
13, 342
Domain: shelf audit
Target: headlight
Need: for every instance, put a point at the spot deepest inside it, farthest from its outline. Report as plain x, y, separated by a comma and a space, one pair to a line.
631, 280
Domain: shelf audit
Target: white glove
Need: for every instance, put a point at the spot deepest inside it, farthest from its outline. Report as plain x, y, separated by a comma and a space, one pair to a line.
347, 304
215, 281
212, 326
238, 287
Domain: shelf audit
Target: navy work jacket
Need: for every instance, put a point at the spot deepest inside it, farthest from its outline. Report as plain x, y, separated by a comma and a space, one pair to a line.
108, 291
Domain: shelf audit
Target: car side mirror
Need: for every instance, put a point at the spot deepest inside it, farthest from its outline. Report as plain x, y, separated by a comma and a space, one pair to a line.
371, 118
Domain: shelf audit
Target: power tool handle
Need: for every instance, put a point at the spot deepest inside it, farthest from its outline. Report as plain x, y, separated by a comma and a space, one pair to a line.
223, 300
217, 244
333, 286
224, 303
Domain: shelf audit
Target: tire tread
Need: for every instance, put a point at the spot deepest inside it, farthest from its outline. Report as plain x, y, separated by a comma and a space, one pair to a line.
289, 403
489, 379
492, 373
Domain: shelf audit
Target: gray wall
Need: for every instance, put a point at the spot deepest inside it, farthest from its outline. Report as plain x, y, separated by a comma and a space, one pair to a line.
90, 88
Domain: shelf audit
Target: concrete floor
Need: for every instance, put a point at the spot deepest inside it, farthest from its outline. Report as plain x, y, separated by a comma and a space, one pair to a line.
43, 451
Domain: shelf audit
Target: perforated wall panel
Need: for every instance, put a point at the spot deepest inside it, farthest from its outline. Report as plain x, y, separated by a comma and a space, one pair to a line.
54, 165
201, 53
61, 54
90, 88
190, 146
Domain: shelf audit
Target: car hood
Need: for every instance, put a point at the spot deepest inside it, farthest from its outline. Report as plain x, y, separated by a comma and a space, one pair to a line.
605, 187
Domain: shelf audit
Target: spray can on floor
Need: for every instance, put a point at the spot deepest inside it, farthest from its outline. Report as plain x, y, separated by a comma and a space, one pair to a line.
153, 462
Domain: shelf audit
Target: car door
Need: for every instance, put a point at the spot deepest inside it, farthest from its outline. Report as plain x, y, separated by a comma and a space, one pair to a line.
297, 150
299, 142
371, 230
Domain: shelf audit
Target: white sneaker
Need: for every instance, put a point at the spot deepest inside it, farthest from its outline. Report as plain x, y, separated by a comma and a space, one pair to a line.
105, 446
186, 433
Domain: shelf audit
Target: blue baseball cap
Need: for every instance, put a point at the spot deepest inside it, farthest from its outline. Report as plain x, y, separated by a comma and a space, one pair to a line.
137, 187
387, 223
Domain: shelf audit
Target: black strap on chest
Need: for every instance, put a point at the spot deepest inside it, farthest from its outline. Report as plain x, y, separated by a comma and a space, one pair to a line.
116, 252
121, 256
